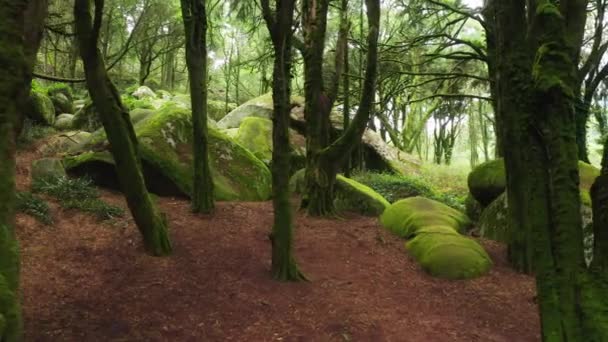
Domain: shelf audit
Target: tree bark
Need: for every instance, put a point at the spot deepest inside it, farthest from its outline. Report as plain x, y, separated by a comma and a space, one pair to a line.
119, 130
14, 91
195, 25
284, 266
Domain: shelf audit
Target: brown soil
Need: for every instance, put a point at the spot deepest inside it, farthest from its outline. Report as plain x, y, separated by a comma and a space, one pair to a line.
83, 280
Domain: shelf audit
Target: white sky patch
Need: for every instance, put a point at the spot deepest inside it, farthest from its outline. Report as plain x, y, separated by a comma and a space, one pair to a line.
473, 3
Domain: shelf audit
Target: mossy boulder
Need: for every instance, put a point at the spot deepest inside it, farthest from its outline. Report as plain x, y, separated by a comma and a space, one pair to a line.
259, 107
165, 140
354, 196
87, 119
487, 181
47, 168
62, 104
256, 135
349, 195
405, 217
64, 122
144, 92
56, 88
216, 110
473, 208
445, 254
41, 109
64, 142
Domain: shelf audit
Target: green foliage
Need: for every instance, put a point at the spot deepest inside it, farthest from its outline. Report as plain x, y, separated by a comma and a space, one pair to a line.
395, 187
60, 88
77, 193
30, 204
32, 133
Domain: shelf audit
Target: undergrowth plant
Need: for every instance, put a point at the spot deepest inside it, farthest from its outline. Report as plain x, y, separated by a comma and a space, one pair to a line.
32, 132
77, 193
395, 187
32, 205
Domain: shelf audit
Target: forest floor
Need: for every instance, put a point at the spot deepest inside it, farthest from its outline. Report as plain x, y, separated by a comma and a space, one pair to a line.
85, 280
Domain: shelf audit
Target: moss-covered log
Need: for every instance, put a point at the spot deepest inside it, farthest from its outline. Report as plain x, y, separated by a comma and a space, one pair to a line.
119, 130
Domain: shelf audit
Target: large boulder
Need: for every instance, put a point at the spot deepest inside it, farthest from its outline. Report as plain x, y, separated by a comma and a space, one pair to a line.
349, 195
87, 119
487, 181
47, 168
41, 109
407, 216
62, 103
165, 141
144, 92
444, 253
378, 155
216, 110
64, 122
256, 135
64, 142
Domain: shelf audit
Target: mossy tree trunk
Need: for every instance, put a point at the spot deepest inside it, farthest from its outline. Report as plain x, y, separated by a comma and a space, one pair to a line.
324, 159
284, 266
538, 67
121, 135
195, 25
13, 93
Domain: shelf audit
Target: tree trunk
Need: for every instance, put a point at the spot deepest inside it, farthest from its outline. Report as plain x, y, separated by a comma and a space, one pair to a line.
13, 75
119, 130
582, 114
284, 266
195, 25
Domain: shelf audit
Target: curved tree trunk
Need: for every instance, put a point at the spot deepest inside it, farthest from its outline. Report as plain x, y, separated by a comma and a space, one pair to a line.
195, 25
121, 135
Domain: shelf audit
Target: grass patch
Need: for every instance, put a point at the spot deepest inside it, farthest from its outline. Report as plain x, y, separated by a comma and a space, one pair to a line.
394, 187
32, 205
77, 193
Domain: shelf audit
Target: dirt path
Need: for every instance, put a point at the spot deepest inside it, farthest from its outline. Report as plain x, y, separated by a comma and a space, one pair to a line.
87, 281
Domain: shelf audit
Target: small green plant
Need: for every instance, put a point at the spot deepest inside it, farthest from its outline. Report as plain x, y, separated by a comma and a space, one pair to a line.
34, 206
32, 132
77, 193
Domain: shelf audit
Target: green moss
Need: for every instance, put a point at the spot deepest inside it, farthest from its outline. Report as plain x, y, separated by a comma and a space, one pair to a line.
354, 196
87, 119
394, 187
166, 149
494, 222
446, 255
10, 312
255, 134
60, 88
9, 285
216, 110
487, 181
406, 217
41, 109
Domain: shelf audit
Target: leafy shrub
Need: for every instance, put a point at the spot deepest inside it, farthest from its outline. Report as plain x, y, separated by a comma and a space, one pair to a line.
32, 205
395, 187
77, 193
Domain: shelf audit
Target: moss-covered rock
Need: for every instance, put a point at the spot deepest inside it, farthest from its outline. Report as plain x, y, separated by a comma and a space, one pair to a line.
354, 196
407, 216
487, 181
473, 208
260, 107
64, 122
349, 195
165, 140
64, 143
217, 110
444, 254
256, 135
56, 88
62, 104
47, 168
144, 92
87, 119
494, 223
41, 109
